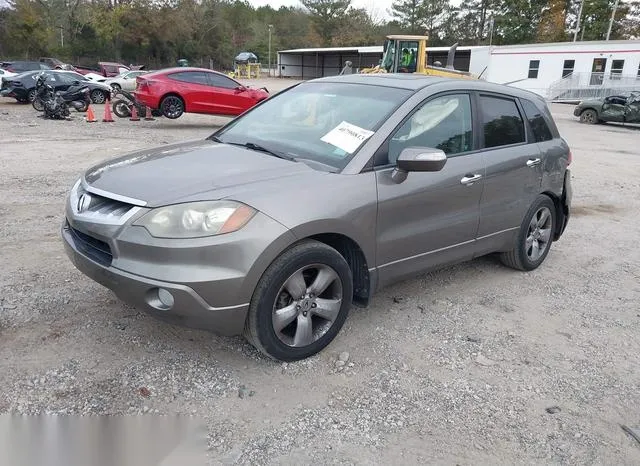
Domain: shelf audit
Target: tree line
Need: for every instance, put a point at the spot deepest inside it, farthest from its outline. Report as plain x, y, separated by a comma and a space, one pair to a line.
211, 32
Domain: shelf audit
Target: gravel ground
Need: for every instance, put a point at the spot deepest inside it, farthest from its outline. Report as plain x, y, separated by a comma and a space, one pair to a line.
472, 364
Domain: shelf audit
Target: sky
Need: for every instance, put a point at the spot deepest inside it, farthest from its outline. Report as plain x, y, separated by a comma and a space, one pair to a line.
377, 8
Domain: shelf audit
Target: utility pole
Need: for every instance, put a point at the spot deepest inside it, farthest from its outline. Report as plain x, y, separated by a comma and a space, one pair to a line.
491, 23
575, 34
270, 27
61, 36
613, 15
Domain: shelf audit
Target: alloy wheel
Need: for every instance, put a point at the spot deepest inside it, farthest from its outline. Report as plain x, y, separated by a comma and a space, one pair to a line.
98, 97
172, 107
539, 234
307, 305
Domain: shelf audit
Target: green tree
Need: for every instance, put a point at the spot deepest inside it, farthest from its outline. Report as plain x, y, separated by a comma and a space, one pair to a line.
327, 16
409, 14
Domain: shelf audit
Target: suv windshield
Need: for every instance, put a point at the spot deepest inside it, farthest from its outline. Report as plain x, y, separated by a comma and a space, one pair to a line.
325, 122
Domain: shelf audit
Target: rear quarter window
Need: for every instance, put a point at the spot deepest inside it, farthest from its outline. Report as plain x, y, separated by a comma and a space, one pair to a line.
537, 121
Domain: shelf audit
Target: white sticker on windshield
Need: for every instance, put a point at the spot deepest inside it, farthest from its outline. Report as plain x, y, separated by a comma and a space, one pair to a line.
347, 137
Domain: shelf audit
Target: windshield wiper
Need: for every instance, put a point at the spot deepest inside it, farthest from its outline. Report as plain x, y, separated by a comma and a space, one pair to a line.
258, 147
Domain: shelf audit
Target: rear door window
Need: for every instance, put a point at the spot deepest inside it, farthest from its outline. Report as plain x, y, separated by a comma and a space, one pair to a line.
501, 121
193, 77
539, 126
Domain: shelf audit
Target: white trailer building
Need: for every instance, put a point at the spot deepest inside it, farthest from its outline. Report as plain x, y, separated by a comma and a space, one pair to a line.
566, 71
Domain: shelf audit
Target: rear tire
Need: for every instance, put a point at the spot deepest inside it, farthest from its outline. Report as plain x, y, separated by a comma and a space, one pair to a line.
292, 325
98, 96
589, 117
172, 107
31, 96
534, 237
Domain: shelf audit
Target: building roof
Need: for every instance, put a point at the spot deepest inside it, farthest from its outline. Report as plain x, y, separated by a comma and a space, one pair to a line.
379, 49
357, 49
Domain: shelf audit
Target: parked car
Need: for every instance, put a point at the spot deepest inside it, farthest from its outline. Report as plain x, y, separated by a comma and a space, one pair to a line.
175, 91
6, 74
54, 63
126, 80
623, 108
319, 196
23, 86
22, 66
105, 69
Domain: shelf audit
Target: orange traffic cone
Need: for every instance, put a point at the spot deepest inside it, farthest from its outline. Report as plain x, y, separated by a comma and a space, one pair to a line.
107, 112
91, 117
148, 115
134, 113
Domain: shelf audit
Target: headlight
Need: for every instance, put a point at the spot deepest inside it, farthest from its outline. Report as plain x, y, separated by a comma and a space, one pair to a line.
196, 219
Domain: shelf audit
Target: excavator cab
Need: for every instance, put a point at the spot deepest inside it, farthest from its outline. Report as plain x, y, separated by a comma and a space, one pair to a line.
408, 54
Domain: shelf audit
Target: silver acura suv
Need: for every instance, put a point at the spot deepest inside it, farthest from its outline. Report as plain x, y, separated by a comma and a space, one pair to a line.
311, 201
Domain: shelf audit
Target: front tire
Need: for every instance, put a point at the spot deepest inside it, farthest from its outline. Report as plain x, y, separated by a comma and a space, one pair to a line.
589, 116
300, 303
31, 96
37, 104
172, 107
121, 108
534, 237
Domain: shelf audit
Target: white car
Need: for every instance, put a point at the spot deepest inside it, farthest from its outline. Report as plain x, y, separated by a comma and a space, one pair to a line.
126, 80
6, 74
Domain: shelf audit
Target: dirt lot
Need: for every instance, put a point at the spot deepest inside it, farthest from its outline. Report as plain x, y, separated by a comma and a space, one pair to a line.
457, 366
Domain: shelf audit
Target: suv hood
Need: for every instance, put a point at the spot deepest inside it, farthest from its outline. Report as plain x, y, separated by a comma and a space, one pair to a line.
175, 172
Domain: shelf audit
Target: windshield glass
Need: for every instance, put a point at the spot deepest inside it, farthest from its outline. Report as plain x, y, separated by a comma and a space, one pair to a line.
389, 55
319, 121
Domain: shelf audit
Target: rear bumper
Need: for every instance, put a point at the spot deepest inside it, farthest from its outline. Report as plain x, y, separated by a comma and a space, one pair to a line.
148, 100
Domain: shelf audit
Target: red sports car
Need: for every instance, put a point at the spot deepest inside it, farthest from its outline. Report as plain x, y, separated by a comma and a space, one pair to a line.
175, 91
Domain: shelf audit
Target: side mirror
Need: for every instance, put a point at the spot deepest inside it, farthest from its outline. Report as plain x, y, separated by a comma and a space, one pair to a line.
240, 88
418, 159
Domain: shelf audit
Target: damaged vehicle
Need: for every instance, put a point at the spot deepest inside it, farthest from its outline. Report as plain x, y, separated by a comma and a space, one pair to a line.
624, 108
314, 199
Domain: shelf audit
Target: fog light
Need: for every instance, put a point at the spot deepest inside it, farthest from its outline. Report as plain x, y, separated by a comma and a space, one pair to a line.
160, 299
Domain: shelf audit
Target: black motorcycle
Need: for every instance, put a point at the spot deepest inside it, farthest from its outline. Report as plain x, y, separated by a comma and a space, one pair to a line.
77, 96
123, 102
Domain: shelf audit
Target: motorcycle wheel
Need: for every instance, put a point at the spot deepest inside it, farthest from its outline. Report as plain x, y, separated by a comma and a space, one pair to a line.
84, 107
121, 108
38, 104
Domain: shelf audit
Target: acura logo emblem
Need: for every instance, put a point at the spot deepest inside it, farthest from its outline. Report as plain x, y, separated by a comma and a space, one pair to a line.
84, 202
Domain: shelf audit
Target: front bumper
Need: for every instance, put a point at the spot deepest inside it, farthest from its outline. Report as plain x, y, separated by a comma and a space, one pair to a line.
577, 111
200, 283
189, 309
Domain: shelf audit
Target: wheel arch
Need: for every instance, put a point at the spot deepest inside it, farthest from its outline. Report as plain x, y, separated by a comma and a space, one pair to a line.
346, 246
175, 94
590, 108
560, 213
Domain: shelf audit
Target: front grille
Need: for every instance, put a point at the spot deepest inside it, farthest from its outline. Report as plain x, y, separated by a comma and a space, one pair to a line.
100, 209
91, 247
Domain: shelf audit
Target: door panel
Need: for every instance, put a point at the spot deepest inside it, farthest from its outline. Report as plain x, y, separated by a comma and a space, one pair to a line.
513, 171
431, 218
192, 86
428, 220
225, 96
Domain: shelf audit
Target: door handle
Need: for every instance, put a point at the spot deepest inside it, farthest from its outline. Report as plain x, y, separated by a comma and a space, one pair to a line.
533, 162
469, 180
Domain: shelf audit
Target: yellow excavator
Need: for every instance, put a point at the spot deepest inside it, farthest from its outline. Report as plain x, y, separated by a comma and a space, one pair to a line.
408, 54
